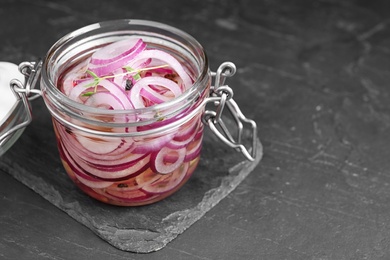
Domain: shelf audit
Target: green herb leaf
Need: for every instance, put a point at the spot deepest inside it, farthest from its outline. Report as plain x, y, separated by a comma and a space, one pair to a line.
136, 76
88, 94
93, 74
92, 84
95, 83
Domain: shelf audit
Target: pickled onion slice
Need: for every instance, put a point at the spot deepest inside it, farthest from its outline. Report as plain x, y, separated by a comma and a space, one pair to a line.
161, 165
153, 96
135, 93
122, 74
138, 77
98, 145
151, 145
114, 170
73, 77
168, 182
167, 59
118, 155
184, 136
147, 177
115, 55
112, 165
79, 89
93, 184
193, 150
127, 170
104, 100
82, 177
134, 183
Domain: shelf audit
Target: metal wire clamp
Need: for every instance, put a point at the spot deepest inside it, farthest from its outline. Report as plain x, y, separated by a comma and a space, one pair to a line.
222, 96
25, 93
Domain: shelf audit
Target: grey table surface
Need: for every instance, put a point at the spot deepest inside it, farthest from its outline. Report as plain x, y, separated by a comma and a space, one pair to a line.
313, 74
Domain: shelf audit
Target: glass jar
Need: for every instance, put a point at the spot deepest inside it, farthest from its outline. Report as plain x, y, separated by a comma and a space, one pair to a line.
138, 156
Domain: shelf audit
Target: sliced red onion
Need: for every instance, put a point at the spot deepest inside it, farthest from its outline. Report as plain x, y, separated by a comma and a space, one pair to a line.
104, 100
135, 92
117, 165
184, 136
123, 153
134, 183
166, 121
82, 87
101, 145
122, 74
94, 184
73, 76
83, 178
166, 59
115, 51
160, 165
153, 96
147, 177
117, 172
69, 83
153, 144
138, 64
126, 172
168, 182
115, 55
193, 150
118, 92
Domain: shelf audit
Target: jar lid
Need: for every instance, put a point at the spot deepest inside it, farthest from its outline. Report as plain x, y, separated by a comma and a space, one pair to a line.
11, 107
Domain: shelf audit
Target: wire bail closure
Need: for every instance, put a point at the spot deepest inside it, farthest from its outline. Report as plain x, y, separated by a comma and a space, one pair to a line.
222, 96
25, 93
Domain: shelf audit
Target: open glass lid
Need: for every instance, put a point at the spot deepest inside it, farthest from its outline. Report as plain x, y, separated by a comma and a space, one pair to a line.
12, 106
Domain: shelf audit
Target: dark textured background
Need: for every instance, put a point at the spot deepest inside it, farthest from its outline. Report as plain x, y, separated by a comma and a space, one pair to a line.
314, 75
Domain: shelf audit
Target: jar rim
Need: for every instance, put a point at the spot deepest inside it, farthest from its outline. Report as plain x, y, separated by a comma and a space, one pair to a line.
90, 32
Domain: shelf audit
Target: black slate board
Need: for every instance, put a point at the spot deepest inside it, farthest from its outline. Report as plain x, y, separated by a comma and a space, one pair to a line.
34, 161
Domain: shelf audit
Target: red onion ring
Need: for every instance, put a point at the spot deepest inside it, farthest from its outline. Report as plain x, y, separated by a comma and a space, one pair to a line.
118, 92
73, 76
104, 100
101, 145
161, 166
168, 182
153, 96
127, 171
85, 179
102, 61
135, 92
151, 145
83, 86
193, 150
167, 59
